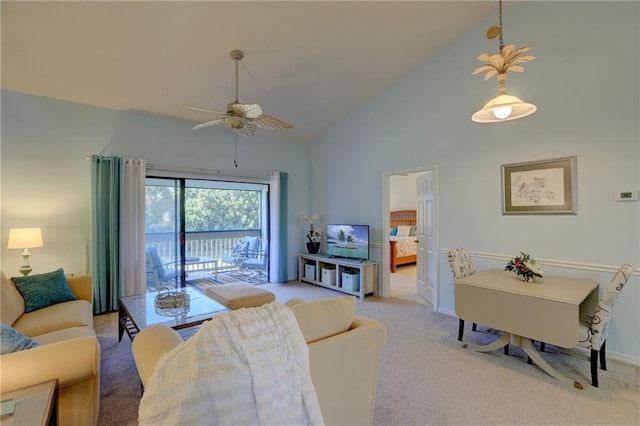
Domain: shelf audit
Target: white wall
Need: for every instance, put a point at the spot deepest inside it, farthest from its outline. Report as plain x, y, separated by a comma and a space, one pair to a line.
402, 192
45, 178
585, 84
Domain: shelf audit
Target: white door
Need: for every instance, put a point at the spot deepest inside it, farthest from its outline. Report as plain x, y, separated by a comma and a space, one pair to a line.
427, 250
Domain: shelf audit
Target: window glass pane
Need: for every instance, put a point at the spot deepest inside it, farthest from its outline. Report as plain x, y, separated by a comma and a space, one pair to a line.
221, 209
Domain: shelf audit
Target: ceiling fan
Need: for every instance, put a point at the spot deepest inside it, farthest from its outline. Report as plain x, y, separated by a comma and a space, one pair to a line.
242, 118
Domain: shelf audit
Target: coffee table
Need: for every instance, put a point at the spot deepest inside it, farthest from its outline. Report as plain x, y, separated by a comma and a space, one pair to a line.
138, 312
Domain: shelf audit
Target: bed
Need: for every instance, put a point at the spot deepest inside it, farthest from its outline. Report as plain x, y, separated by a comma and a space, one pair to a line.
403, 247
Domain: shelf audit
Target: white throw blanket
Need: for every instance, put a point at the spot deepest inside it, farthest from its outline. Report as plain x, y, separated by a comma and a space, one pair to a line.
246, 367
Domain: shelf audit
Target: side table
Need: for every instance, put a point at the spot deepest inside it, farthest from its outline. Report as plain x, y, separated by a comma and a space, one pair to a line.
34, 405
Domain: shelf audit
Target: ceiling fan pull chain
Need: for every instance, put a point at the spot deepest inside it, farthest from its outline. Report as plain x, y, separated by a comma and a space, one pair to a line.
235, 150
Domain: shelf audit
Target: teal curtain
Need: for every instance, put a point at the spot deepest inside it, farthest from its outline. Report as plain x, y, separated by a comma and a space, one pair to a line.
283, 235
105, 230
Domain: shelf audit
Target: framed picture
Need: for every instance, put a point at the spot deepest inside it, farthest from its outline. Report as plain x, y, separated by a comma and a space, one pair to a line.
540, 187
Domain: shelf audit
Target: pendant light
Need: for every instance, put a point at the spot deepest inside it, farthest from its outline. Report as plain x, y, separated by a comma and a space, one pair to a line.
503, 107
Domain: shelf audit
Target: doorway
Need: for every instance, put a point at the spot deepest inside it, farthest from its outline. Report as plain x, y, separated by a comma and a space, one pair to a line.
405, 190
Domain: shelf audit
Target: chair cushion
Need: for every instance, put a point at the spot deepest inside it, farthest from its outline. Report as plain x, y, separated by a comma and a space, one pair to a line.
12, 302
11, 340
320, 319
77, 313
63, 335
240, 295
42, 290
253, 244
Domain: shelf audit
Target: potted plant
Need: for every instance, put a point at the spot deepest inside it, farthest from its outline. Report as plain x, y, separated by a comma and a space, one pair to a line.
314, 232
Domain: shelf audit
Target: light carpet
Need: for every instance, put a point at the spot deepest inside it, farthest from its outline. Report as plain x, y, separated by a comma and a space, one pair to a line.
426, 378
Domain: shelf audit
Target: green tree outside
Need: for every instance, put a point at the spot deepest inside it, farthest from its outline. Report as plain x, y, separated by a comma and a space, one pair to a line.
206, 209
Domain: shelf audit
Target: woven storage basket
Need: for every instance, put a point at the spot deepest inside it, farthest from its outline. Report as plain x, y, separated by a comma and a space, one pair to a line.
167, 299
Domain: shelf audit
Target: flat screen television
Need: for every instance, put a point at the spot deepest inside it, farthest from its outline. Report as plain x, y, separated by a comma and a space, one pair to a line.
351, 241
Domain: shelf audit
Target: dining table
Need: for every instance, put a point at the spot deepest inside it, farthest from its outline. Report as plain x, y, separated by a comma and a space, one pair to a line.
547, 310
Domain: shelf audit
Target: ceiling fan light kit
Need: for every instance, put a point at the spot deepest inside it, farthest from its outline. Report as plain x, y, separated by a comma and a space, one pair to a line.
242, 118
503, 107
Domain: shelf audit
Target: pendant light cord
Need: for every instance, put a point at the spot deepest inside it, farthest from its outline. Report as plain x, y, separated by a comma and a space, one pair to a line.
501, 42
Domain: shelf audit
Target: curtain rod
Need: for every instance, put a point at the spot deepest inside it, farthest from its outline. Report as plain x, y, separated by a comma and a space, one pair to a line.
200, 170
194, 170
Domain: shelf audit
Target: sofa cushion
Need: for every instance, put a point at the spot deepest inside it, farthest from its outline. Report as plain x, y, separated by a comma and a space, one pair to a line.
12, 302
11, 340
77, 313
320, 319
62, 335
42, 290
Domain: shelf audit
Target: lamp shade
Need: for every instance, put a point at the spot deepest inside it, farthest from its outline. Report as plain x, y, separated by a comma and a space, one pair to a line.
22, 238
503, 108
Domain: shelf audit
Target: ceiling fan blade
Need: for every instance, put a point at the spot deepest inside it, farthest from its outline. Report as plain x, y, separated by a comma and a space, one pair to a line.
217, 122
195, 108
268, 122
248, 110
248, 130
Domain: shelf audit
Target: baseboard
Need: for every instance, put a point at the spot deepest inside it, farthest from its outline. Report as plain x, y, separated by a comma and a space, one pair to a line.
447, 311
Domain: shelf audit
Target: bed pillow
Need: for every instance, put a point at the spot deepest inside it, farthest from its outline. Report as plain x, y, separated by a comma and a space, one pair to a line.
42, 290
412, 231
403, 230
11, 340
394, 232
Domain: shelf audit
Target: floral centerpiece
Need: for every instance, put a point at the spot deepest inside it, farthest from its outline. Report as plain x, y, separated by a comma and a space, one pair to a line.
314, 231
525, 267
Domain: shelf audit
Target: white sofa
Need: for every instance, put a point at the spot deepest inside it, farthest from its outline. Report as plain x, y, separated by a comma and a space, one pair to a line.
344, 353
69, 350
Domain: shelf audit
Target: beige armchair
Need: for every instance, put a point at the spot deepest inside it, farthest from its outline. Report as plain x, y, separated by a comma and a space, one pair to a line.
68, 350
344, 351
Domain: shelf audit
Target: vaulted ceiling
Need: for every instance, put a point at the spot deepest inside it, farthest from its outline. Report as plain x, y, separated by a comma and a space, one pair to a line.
307, 63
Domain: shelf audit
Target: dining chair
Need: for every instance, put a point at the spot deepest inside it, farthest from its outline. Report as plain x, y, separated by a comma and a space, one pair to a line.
461, 266
593, 329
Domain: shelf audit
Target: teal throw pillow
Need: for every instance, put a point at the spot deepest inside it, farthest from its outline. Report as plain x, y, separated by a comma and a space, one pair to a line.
11, 340
394, 231
42, 290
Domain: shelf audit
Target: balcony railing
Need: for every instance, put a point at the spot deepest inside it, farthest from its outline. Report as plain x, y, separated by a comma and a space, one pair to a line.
212, 245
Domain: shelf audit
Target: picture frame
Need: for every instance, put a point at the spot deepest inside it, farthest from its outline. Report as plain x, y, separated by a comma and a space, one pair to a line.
540, 187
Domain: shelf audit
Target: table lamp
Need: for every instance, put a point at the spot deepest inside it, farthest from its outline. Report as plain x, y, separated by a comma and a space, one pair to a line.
25, 238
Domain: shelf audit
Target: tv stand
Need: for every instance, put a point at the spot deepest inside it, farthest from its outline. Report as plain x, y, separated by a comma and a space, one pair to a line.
350, 276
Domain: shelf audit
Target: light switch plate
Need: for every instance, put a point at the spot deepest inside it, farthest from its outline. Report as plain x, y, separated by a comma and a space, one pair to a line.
625, 195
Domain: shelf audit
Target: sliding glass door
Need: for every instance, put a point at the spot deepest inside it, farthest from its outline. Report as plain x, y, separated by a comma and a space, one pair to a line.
193, 224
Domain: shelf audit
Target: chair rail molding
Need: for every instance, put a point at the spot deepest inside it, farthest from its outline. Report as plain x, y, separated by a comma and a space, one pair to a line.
548, 262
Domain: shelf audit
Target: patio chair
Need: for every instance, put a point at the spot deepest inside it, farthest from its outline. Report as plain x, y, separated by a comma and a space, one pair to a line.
256, 264
242, 251
157, 273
